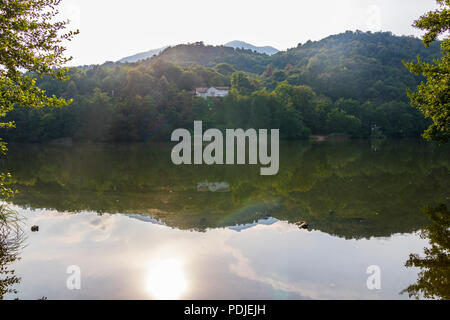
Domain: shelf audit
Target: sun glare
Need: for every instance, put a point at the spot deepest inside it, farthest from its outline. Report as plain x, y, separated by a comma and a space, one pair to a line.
166, 279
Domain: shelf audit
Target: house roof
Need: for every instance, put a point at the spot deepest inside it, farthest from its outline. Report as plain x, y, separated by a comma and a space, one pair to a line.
201, 90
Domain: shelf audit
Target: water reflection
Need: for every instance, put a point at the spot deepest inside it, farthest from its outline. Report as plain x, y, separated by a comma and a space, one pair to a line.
125, 258
139, 228
213, 187
11, 244
341, 188
434, 278
166, 279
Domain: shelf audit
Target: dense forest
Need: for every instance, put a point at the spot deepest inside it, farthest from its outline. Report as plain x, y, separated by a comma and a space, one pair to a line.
351, 84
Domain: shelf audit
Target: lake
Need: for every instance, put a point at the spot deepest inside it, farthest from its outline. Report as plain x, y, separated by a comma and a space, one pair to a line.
135, 226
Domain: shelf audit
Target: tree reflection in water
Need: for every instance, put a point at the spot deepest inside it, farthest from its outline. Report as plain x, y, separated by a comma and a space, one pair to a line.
11, 243
434, 278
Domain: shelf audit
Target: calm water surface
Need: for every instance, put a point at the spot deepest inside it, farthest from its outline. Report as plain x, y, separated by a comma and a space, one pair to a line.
141, 228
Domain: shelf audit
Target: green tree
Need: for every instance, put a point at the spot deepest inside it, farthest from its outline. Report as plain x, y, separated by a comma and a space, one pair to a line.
434, 280
338, 121
241, 82
11, 244
433, 96
30, 46
225, 69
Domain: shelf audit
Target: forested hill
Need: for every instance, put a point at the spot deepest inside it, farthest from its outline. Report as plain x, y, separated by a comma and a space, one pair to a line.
355, 65
209, 56
352, 83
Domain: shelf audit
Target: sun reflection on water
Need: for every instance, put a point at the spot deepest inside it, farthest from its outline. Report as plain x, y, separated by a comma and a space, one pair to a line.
166, 279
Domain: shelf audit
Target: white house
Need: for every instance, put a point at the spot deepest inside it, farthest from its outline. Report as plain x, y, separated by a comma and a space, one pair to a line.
212, 92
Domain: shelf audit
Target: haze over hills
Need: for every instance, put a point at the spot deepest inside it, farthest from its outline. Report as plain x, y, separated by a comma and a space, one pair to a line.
236, 44
244, 45
142, 55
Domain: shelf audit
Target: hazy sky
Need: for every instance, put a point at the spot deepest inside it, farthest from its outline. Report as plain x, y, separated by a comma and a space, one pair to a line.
112, 29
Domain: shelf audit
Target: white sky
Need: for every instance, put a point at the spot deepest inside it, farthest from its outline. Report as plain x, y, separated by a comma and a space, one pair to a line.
113, 29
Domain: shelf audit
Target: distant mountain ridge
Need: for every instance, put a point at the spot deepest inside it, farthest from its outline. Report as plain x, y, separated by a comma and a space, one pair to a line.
142, 55
237, 44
